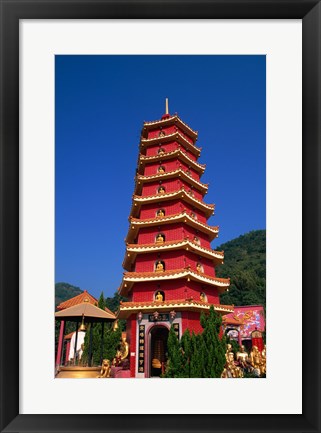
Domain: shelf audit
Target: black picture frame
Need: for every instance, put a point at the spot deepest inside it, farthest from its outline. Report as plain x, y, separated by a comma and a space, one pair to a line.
11, 12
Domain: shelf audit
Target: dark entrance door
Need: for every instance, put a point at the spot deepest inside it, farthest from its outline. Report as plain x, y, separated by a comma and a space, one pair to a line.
158, 350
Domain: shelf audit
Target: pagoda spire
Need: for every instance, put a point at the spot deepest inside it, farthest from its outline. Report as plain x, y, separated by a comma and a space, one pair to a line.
166, 115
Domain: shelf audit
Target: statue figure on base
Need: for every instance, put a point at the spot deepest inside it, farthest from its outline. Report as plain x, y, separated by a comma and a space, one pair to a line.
122, 352
159, 267
105, 369
231, 370
242, 357
263, 356
160, 239
159, 297
256, 361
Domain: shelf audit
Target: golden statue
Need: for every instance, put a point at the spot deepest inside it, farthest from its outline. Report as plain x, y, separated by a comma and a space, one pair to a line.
161, 169
122, 352
124, 348
228, 350
243, 358
159, 267
202, 297
159, 238
231, 370
196, 240
199, 268
263, 356
161, 190
256, 361
105, 369
161, 151
160, 213
159, 297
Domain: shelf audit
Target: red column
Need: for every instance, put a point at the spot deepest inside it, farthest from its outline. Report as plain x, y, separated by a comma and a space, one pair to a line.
60, 342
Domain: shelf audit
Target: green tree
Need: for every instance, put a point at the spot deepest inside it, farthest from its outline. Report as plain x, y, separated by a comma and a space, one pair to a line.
186, 349
197, 356
175, 356
213, 362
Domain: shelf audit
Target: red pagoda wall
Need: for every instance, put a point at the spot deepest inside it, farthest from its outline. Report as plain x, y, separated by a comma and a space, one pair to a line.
173, 232
179, 289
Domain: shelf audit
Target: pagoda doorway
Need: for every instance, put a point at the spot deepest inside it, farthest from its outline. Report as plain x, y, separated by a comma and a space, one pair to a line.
158, 350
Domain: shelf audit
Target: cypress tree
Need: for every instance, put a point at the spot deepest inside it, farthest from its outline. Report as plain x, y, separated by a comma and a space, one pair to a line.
197, 356
215, 346
186, 349
175, 357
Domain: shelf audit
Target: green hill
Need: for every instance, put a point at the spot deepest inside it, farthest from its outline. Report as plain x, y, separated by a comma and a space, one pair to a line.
64, 291
244, 263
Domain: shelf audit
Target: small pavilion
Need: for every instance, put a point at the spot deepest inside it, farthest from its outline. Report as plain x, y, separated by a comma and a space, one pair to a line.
80, 309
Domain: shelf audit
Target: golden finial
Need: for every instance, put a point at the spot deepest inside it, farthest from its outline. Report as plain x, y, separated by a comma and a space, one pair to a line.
166, 106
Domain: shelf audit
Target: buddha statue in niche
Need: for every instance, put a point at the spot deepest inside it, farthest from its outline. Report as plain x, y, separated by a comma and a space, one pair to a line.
159, 297
159, 267
160, 238
160, 213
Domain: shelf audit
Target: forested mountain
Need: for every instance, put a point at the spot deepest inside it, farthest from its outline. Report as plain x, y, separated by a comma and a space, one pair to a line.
244, 263
64, 291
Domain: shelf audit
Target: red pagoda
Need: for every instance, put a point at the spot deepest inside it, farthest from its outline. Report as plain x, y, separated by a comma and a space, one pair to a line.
170, 265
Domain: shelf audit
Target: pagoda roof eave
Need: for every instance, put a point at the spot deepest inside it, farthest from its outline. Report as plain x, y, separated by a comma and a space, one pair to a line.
167, 175
138, 200
185, 244
171, 120
128, 308
176, 136
130, 278
135, 223
200, 168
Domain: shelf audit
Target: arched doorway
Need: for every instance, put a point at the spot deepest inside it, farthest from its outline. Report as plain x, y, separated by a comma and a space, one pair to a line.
158, 350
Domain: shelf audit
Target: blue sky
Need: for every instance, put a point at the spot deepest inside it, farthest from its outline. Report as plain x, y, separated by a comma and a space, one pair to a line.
101, 103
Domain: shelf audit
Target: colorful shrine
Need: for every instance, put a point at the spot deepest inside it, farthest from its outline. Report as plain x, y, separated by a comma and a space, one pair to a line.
170, 266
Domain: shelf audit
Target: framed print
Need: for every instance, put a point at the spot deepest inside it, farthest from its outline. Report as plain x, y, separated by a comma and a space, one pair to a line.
255, 69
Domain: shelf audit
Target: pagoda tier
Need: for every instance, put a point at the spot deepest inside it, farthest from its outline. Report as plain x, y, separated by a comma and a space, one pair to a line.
150, 128
188, 224
178, 173
176, 156
128, 308
170, 278
221, 284
176, 138
185, 197
216, 257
